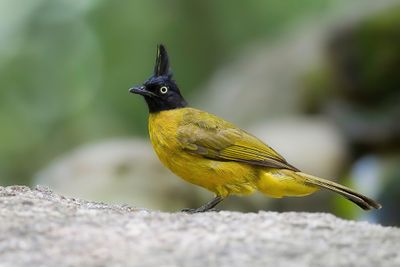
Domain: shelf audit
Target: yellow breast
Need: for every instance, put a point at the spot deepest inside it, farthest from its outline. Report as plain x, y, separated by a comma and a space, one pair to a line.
222, 178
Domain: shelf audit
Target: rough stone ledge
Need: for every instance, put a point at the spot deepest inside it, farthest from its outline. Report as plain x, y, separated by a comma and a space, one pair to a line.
41, 228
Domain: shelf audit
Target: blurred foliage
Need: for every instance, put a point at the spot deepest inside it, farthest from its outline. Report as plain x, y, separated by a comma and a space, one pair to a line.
364, 60
65, 65
359, 85
367, 59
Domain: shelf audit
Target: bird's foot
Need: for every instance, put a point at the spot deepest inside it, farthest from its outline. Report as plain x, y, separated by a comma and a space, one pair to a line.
198, 210
209, 206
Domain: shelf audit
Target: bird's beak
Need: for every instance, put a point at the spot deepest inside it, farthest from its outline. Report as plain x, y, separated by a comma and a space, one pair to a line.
140, 90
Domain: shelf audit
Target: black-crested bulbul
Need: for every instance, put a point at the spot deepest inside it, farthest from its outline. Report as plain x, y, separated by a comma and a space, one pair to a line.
212, 153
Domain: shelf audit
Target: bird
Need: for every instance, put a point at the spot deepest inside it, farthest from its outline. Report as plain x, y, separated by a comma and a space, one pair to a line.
212, 153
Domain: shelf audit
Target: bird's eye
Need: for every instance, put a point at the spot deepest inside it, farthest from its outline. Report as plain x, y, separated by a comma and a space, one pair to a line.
164, 90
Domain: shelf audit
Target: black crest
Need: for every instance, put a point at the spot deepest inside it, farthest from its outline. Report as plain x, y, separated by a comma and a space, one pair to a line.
161, 67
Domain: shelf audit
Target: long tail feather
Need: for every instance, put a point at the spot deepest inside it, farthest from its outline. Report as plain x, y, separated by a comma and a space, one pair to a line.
359, 199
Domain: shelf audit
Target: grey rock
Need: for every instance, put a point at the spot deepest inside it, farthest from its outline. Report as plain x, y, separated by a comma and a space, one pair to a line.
41, 228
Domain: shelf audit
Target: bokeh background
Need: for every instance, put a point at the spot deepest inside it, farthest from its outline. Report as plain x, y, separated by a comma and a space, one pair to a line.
319, 80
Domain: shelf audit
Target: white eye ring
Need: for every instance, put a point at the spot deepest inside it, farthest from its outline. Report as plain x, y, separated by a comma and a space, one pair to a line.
164, 90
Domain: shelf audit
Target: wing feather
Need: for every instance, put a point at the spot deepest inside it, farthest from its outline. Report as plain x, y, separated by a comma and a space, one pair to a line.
211, 137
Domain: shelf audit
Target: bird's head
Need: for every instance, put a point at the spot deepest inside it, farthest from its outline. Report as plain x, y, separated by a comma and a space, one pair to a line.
160, 91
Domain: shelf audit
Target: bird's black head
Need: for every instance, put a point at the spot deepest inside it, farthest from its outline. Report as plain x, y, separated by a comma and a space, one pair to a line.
160, 91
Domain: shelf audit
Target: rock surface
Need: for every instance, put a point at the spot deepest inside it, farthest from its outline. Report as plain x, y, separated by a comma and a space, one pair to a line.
41, 228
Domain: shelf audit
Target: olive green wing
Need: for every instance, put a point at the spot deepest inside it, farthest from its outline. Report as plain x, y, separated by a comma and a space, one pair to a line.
211, 137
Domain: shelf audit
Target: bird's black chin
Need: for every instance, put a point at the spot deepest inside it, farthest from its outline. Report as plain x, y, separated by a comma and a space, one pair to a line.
158, 104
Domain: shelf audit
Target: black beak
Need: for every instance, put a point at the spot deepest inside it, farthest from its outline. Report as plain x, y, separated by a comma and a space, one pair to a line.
140, 90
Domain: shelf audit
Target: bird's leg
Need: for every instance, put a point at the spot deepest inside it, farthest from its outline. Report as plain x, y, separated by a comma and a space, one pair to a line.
209, 205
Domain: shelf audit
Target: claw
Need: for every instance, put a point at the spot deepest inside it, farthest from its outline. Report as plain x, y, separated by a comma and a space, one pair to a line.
209, 206
199, 210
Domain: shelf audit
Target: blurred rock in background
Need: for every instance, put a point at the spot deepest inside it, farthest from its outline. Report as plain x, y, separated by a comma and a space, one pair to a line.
118, 171
313, 144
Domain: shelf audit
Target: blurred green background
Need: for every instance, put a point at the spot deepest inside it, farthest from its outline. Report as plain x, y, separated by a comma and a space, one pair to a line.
285, 68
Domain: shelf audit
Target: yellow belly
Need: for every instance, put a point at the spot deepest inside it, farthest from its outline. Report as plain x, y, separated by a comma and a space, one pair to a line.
222, 178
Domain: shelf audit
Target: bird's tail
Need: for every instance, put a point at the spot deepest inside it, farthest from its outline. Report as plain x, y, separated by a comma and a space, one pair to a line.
360, 200
283, 182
